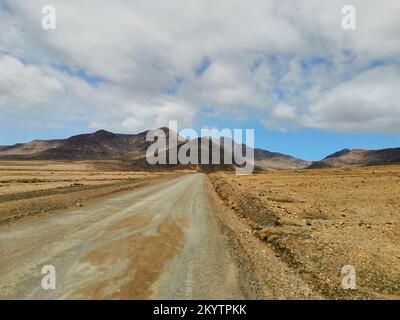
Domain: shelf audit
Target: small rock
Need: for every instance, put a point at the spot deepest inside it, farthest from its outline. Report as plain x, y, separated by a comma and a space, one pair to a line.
262, 235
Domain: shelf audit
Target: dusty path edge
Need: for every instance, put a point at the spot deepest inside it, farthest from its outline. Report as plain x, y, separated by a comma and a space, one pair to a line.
249, 280
265, 274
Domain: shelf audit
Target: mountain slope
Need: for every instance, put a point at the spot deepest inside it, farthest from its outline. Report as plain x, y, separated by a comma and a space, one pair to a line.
358, 157
185, 148
266, 160
94, 146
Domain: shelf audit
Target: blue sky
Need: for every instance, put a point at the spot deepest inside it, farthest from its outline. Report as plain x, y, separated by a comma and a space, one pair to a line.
309, 88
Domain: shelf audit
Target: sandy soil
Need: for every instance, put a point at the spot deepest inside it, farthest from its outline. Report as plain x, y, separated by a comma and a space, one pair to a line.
317, 221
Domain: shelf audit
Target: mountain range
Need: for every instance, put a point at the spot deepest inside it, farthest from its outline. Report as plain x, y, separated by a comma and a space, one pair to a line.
131, 148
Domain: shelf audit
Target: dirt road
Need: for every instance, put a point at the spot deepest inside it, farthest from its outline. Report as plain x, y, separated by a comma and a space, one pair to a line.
161, 241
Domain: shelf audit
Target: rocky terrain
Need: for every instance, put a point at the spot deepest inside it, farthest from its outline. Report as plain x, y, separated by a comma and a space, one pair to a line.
318, 221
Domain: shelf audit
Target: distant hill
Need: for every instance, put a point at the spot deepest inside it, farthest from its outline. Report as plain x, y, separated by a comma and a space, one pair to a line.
358, 157
269, 161
266, 160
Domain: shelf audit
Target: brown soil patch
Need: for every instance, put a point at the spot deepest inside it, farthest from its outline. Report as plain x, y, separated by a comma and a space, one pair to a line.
137, 221
145, 258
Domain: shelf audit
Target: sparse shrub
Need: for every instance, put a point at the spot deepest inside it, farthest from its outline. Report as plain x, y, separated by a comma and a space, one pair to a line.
314, 215
269, 234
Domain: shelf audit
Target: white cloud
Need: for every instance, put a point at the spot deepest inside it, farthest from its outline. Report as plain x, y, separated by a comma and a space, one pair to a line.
26, 85
265, 63
283, 118
367, 103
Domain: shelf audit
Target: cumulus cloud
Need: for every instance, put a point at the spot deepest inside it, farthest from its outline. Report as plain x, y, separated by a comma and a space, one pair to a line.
367, 103
283, 117
26, 85
128, 66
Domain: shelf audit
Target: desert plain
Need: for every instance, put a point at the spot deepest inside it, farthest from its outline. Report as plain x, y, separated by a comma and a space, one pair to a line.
278, 235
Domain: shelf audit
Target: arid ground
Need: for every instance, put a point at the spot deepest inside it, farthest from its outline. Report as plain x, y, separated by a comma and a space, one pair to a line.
115, 234
318, 221
31, 188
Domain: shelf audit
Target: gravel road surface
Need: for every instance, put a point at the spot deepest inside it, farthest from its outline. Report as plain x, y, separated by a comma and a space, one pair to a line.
161, 241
